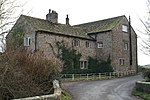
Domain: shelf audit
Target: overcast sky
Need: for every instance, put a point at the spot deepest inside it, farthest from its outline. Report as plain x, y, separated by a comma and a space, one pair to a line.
83, 11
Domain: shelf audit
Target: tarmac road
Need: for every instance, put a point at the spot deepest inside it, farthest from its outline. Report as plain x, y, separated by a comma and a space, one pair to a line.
114, 89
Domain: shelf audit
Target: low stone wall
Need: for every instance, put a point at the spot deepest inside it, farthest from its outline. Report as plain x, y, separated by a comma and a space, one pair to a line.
143, 86
55, 96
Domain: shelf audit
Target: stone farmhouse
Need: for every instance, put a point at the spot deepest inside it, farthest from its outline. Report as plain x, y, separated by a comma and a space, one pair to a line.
113, 37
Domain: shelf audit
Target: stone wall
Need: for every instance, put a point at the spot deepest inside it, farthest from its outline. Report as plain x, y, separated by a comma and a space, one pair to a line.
143, 86
118, 51
55, 96
28, 31
134, 51
106, 51
45, 40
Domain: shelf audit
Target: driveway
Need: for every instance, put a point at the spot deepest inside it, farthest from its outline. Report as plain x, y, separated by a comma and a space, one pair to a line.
114, 89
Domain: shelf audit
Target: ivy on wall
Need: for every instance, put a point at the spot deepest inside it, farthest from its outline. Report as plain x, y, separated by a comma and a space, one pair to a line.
16, 36
100, 66
69, 56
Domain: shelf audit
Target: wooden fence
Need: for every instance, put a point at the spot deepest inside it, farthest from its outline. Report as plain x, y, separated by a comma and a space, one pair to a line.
96, 76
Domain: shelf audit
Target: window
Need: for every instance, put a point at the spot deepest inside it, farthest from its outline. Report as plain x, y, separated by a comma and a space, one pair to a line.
87, 44
121, 61
76, 43
83, 65
27, 41
100, 45
125, 46
124, 28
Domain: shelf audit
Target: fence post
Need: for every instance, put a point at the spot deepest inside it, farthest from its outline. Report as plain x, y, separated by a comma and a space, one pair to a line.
115, 74
110, 75
99, 75
118, 74
93, 75
87, 77
127, 73
106, 76
72, 76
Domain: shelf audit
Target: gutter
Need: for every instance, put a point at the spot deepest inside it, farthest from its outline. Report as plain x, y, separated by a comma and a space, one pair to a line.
130, 43
67, 35
99, 32
35, 45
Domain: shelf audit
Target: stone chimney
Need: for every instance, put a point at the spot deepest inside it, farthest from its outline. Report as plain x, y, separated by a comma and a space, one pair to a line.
52, 16
67, 21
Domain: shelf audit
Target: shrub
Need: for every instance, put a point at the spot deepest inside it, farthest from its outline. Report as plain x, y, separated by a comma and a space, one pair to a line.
69, 56
146, 74
100, 66
23, 74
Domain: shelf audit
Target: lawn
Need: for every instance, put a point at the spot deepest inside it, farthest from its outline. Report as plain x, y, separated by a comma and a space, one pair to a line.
66, 95
145, 96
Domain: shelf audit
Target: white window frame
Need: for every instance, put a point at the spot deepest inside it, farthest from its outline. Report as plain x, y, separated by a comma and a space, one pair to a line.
83, 65
100, 45
121, 61
76, 43
126, 46
125, 28
87, 43
27, 41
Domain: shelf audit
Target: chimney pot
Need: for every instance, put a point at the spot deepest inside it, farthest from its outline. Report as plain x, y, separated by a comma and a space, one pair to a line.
52, 16
67, 20
49, 11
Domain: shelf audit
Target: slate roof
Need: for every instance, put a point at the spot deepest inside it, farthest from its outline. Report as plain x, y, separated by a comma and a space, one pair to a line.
41, 24
77, 30
101, 25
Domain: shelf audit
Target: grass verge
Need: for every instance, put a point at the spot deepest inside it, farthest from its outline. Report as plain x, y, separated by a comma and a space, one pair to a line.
66, 95
145, 96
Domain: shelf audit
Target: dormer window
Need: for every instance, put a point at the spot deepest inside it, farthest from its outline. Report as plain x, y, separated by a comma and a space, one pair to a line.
27, 41
124, 28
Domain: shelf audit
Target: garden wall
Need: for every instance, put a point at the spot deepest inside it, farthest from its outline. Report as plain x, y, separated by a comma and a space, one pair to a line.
143, 86
55, 96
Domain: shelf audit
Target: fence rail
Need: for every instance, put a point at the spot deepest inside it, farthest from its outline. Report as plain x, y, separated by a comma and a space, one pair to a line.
96, 76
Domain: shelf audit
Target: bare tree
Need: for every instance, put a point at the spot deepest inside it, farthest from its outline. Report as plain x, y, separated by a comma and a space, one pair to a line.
8, 14
146, 39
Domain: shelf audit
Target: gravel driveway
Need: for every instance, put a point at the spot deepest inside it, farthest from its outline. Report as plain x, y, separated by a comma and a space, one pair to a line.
114, 89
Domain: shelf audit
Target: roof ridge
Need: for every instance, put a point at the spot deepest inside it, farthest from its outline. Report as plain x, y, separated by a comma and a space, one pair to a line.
100, 20
32, 17
40, 19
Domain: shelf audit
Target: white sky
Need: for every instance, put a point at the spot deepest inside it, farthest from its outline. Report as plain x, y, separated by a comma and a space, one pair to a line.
83, 11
